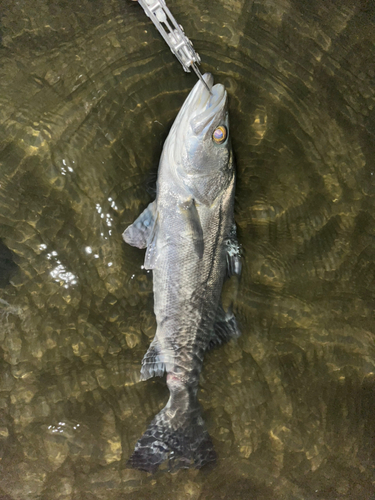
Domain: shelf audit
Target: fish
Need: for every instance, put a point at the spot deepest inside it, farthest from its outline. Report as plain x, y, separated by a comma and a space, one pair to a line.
191, 245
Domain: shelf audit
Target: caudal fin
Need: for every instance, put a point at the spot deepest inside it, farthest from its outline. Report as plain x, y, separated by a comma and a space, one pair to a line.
188, 445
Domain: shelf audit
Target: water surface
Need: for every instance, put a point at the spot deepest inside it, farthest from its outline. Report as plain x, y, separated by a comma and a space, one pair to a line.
88, 91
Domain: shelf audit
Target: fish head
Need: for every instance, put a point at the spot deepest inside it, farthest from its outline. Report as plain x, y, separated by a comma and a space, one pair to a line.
199, 145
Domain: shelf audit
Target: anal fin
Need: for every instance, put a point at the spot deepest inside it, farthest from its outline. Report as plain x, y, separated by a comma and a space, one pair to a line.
152, 364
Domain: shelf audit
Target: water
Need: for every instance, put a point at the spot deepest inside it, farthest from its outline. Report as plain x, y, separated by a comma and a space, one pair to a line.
88, 92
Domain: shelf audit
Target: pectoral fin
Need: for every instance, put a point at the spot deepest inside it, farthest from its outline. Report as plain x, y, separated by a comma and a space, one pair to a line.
140, 232
151, 251
194, 229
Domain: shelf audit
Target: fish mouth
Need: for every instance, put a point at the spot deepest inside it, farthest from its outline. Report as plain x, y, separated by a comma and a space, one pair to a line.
202, 106
207, 104
201, 110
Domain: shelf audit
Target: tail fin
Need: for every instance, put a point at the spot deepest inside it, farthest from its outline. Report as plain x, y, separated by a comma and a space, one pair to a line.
183, 448
176, 434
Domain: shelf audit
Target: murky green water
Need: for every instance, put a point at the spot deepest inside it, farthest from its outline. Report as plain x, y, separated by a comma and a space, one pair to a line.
88, 91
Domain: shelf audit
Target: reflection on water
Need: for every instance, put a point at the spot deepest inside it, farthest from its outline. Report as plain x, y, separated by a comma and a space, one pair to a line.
88, 92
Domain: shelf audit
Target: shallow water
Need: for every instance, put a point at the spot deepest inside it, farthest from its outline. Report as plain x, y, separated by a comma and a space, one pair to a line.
88, 91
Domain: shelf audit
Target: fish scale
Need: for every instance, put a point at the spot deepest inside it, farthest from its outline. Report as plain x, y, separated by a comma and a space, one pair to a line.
191, 242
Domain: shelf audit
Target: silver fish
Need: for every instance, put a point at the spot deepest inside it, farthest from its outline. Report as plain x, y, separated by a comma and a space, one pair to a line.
191, 242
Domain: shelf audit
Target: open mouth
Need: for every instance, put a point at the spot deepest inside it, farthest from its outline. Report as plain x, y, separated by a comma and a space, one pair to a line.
205, 99
206, 105
200, 99
199, 110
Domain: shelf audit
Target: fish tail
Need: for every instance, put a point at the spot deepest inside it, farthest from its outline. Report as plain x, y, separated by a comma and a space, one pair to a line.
176, 434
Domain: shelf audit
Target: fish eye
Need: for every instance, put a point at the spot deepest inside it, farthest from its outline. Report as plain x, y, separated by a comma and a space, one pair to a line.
220, 134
